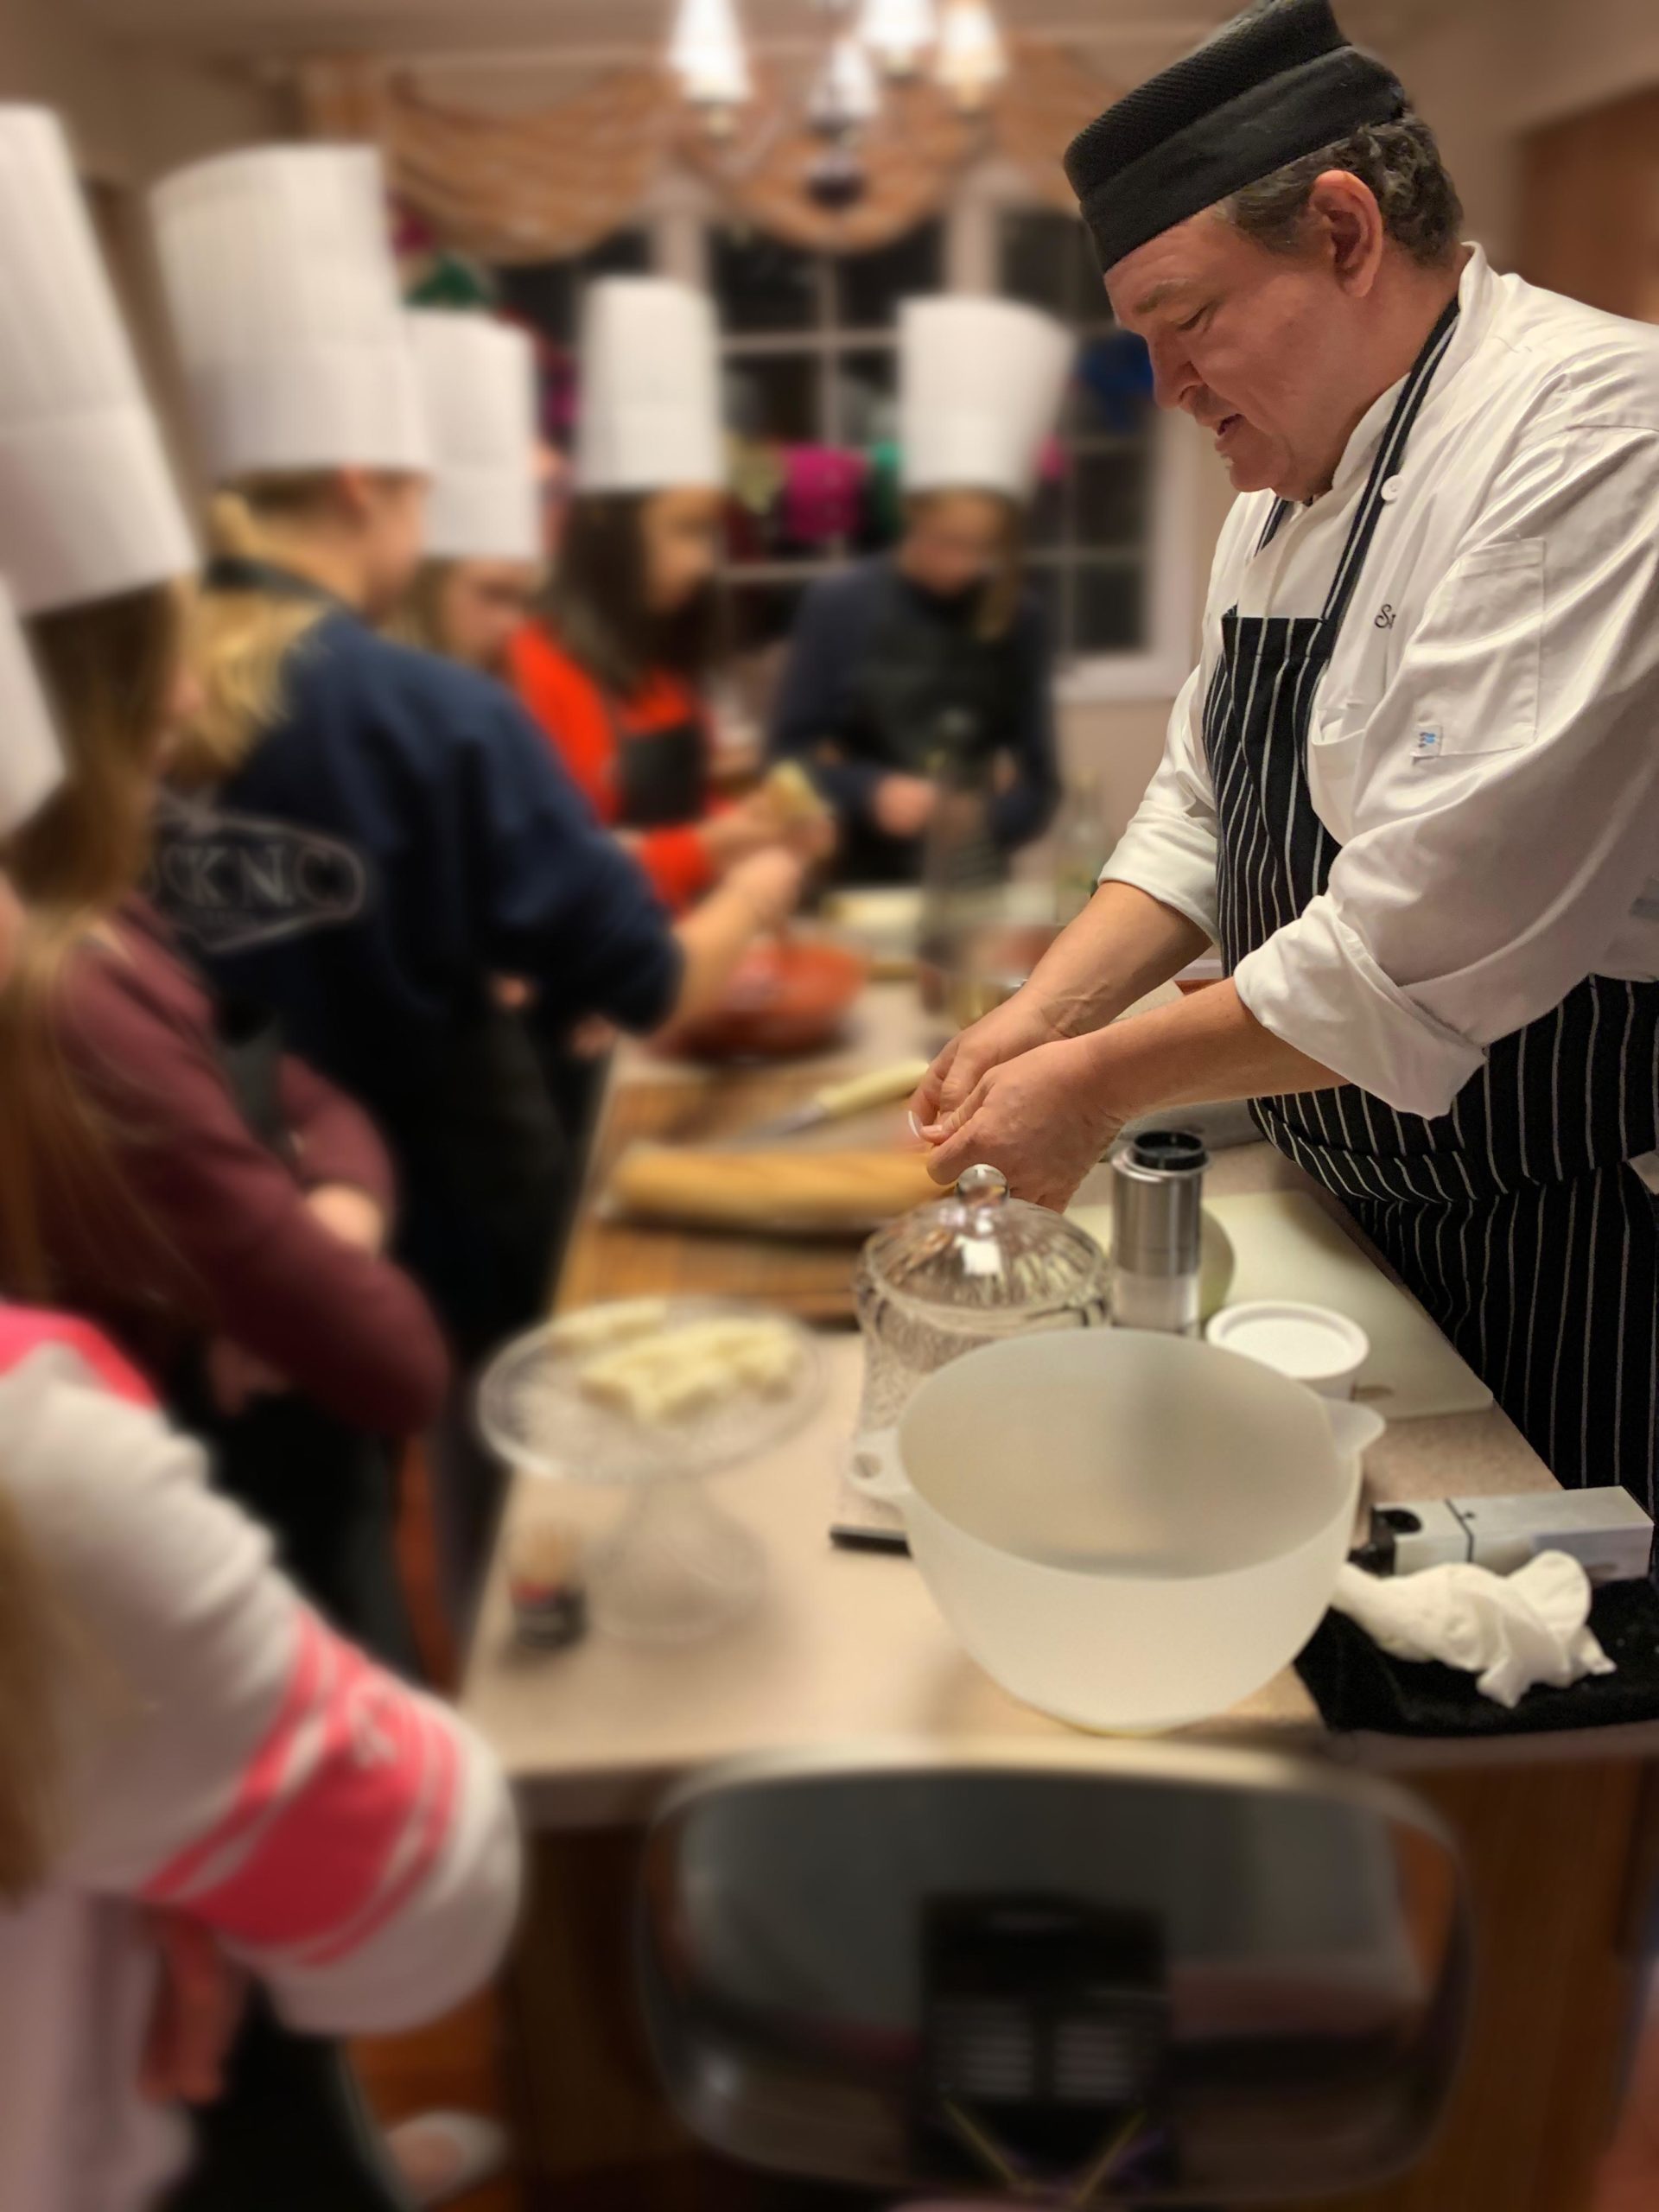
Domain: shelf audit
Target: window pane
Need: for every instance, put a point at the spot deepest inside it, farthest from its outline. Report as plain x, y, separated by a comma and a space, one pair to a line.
1045, 582
548, 294
762, 285
543, 293
1047, 261
773, 395
1111, 497
1109, 607
624, 253
1045, 526
1111, 389
866, 383
869, 286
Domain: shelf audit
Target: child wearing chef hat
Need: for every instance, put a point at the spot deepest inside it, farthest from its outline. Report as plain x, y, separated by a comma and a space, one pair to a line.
375, 835
616, 668
134, 1188
934, 652
210, 1232
486, 527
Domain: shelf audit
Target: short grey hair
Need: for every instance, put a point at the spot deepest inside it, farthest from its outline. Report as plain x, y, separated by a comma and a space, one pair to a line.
1401, 163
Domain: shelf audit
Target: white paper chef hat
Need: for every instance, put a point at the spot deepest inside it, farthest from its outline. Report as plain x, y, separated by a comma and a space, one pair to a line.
979, 386
650, 393
284, 303
31, 764
478, 383
88, 503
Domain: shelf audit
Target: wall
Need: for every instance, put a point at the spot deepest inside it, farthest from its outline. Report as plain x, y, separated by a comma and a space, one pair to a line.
133, 113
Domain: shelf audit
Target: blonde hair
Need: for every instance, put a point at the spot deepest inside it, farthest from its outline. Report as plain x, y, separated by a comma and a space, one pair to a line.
419, 618
241, 641
110, 667
34, 1647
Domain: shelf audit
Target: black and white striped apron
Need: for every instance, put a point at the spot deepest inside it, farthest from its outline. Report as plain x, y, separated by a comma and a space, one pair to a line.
1514, 1216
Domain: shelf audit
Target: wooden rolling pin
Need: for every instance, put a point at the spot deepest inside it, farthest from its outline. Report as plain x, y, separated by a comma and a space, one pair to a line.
834, 1193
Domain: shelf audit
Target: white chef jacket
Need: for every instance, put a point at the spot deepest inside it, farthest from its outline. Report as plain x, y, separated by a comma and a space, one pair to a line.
1485, 743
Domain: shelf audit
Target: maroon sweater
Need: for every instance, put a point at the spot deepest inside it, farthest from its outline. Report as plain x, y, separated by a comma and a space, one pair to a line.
204, 1231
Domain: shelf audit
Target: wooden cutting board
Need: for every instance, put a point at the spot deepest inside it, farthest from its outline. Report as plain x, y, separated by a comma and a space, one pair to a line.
1287, 1246
809, 1277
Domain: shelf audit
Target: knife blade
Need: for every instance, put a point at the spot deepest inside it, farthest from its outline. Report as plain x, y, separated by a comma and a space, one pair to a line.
838, 1102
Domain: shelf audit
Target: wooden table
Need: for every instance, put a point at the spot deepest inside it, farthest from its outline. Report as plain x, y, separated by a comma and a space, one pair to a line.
1558, 1833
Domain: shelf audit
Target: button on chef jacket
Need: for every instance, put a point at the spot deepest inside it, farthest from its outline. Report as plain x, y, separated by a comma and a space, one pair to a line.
1484, 746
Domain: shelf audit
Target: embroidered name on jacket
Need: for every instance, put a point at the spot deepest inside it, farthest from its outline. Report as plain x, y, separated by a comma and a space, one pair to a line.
232, 881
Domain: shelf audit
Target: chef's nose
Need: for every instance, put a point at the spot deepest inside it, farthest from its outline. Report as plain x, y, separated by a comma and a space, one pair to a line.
1174, 380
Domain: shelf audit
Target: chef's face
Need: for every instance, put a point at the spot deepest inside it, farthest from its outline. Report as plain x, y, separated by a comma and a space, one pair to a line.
681, 531
1265, 350
954, 541
480, 605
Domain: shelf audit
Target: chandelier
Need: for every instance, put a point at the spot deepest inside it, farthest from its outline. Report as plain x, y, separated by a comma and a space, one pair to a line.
868, 44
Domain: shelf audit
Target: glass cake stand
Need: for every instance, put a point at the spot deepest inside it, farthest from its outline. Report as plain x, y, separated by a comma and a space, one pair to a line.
674, 1566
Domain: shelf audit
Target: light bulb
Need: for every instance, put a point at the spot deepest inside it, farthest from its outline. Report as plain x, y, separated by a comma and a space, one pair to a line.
845, 92
897, 33
706, 53
971, 59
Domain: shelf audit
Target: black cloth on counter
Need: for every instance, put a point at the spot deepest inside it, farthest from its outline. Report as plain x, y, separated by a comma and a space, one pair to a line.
884, 677
1357, 1685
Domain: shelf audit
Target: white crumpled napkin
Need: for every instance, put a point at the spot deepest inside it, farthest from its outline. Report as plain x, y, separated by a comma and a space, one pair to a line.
1512, 1630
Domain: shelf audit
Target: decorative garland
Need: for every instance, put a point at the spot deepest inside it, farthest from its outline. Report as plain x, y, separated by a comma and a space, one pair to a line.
537, 187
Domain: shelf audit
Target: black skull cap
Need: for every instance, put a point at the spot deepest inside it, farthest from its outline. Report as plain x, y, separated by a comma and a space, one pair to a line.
1277, 82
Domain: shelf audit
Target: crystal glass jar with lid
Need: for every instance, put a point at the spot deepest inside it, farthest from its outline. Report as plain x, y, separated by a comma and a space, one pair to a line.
975, 1268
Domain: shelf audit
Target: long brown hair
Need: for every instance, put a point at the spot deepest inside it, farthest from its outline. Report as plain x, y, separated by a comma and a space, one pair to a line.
110, 668
599, 609
241, 641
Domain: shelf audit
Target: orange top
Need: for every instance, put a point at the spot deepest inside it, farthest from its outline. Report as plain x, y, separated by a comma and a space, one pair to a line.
576, 718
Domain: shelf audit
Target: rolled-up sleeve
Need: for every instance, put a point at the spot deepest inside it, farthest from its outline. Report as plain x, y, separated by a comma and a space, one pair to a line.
1169, 848
1505, 812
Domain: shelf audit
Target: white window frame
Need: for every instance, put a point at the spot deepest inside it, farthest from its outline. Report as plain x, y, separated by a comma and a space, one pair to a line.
680, 214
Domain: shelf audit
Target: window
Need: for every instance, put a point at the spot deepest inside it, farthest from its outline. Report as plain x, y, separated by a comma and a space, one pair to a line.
809, 358
547, 295
809, 350
1091, 534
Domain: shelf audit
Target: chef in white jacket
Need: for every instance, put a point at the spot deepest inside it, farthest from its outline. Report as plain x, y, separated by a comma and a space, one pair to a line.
1412, 788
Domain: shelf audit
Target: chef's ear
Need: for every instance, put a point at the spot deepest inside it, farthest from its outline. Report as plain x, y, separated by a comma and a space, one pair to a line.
1349, 226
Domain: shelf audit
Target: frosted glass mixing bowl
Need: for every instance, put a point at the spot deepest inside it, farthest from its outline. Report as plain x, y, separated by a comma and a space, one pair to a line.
1126, 1530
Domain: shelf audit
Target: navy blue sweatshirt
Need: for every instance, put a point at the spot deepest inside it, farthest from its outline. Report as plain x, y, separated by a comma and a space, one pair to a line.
875, 666
401, 836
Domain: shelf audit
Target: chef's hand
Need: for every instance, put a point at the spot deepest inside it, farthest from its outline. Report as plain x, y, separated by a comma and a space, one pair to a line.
1044, 1119
197, 2011
1024, 1022
769, 883
902, 806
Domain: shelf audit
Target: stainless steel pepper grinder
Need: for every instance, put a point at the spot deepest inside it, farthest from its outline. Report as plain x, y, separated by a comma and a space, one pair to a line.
1157, 1206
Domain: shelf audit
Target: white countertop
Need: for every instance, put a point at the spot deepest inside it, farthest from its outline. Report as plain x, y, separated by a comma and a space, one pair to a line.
848, 1643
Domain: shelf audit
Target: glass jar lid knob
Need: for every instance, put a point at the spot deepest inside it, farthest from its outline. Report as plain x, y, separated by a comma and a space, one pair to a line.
982, 1184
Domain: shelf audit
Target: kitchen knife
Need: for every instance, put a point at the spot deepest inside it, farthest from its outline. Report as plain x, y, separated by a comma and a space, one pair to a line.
838, 1102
